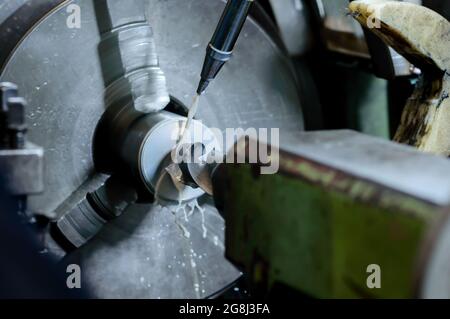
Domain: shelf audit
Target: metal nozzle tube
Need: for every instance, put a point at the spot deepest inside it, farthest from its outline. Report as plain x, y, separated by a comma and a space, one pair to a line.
221, 47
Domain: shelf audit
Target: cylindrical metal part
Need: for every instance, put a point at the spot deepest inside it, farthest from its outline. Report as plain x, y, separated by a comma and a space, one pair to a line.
141, 145
89, 216
81, 224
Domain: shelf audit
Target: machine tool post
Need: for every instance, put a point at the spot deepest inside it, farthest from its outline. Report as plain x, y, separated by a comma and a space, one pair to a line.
220, 49
20, 161
7, 91
17, 128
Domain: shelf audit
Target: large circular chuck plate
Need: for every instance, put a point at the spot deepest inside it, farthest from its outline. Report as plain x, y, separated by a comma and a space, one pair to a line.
63, 73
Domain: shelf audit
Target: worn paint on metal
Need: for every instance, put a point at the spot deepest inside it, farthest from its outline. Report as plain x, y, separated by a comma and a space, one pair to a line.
317, 229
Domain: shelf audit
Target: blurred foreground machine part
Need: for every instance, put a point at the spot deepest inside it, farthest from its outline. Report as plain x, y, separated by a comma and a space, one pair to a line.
423, 37
341, 202
71, 76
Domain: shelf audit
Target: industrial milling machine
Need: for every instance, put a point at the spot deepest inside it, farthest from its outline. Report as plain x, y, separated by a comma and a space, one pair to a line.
92, 92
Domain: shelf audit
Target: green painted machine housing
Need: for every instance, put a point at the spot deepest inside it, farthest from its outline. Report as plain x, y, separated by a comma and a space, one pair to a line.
316, 229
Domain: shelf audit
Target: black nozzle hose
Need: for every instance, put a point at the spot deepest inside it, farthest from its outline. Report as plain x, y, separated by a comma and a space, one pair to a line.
221, 47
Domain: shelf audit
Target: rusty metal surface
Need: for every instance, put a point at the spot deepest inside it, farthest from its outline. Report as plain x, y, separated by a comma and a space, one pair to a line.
332, 211
392, 165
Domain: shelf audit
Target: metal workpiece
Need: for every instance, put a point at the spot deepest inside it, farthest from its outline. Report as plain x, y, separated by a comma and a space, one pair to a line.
143, 145
196, 164
368, 204
201, 175
195, 175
